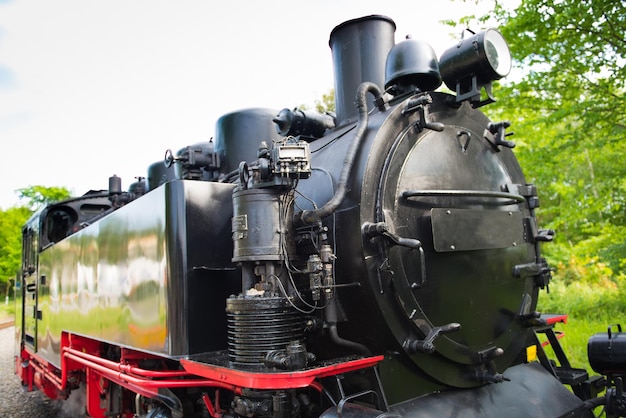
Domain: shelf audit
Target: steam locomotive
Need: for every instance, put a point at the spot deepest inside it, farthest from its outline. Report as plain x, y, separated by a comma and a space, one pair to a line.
379, 261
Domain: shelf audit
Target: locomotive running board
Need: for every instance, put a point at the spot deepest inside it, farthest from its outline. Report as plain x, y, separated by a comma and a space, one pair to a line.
277, 380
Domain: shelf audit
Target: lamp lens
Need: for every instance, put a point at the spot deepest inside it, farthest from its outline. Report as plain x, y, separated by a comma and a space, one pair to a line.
497, 53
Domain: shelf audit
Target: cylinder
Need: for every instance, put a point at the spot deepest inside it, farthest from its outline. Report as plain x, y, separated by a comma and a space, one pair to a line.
359, 50
258, 325
238, 135
607, 352
159, 173
115, 185
256, 225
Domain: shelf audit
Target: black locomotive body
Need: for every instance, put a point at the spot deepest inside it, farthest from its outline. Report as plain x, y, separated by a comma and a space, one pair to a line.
383, 261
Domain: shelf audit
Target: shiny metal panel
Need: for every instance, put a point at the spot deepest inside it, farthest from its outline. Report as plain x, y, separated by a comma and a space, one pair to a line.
131, 278
19, 314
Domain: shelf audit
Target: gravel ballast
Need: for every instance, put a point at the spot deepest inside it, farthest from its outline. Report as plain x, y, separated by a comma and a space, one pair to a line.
15, 401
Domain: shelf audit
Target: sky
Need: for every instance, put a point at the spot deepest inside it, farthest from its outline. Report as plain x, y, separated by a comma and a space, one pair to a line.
95, 88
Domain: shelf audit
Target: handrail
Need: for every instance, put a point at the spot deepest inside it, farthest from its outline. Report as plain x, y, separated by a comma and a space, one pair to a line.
407, 194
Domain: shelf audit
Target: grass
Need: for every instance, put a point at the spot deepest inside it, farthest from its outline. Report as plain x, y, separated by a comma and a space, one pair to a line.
577, 332
7, 311
590, 307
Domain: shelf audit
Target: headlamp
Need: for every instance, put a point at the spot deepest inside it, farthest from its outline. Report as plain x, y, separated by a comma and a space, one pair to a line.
473, 64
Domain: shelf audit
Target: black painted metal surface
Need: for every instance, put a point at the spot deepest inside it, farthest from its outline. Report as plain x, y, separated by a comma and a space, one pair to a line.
153, 275
532, 392
469, 282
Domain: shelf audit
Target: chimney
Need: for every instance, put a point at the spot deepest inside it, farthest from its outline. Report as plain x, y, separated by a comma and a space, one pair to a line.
359, 48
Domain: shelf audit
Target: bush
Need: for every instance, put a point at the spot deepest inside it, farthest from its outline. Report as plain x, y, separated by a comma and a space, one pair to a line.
7, 311
586, 288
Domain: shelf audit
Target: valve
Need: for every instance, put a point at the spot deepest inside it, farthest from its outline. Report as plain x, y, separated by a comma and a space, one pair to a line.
495, 134
371, 230
427, 345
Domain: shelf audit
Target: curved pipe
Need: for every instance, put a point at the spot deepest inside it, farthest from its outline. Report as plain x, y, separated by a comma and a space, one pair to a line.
308, 217
149, 387
331, 317
143, 385
334, 336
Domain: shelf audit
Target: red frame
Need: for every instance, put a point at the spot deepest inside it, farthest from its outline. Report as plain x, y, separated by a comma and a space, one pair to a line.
552, 320
81, 354
281, 380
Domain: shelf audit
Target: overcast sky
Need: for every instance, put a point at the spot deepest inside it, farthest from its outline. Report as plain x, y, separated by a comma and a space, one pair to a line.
92, 88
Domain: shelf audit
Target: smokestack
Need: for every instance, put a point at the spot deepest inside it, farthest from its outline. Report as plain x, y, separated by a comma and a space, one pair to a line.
359, 47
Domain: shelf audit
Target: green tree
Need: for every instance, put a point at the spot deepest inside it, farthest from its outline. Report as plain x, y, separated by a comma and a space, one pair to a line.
11, 222
35, 197
568, 109
326, 103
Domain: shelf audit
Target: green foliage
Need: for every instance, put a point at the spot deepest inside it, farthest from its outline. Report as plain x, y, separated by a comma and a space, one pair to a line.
592, 297
586, 289
567, 106
7, 311
11, 222
568, 110
327, 102
39, 196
